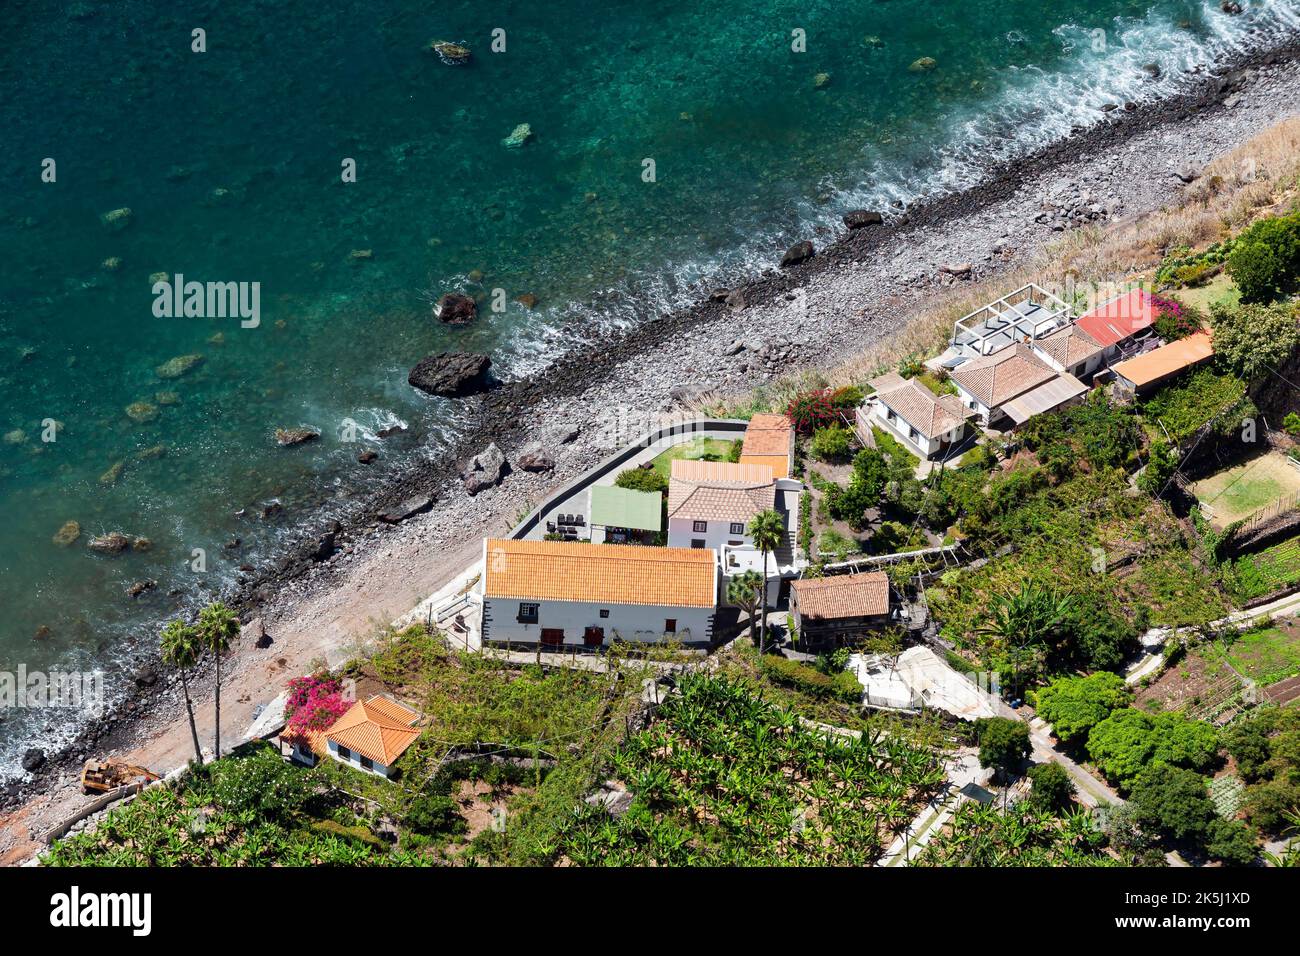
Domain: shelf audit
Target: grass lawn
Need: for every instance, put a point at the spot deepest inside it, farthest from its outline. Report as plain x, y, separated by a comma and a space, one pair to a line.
1219, 289
1268, 655
709, 449
1243, 489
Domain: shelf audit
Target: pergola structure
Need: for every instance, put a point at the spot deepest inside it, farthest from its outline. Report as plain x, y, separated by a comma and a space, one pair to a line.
1022, 316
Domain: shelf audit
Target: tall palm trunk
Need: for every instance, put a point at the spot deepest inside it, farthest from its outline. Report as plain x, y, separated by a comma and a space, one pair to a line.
189, 709
216, 730
762, 604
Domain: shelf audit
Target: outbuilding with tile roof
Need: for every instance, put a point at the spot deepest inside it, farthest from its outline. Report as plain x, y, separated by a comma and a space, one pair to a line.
927, 423
838, 608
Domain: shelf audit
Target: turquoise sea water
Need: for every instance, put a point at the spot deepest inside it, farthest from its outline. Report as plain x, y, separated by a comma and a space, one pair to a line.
230, 161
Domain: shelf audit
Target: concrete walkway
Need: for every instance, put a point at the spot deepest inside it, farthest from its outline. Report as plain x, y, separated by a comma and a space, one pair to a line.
1287, 606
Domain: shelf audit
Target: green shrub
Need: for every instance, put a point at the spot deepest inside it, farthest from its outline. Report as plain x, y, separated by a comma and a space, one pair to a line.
356, 834
1265, 261
432, 813
1231, 841
1292, 424
642, 479
843, 686
1074, 705
847, 397
831, 443
1052, 787
1004, 743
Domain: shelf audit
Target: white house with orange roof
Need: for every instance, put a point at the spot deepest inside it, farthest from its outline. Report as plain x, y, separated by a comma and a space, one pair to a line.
576, 594
929, 425
711, 505
369, 736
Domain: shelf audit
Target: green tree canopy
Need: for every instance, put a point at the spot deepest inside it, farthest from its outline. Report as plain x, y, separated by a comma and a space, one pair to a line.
1251, 339
1004, 743
1074, 705
1174, 801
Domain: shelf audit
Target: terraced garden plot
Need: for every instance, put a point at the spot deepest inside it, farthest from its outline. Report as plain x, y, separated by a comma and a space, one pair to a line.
1270, 570
1267, 656
726, 778
1241, 490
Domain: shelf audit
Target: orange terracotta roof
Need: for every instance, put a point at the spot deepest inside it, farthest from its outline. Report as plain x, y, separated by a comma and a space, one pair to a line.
930, 414
314, 740
719, 490
1000, 377
1069, 346
838, 596
767, 435
1121, 318
600, 573
1167, 360
378, 728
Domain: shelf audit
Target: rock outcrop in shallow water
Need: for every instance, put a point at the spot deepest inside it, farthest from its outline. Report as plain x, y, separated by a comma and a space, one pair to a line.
456, 309
451, 374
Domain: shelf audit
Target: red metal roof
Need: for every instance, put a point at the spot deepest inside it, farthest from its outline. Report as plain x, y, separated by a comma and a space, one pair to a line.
1119, 319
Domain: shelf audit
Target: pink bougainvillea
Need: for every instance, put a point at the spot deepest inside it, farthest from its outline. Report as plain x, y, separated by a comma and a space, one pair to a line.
315, 702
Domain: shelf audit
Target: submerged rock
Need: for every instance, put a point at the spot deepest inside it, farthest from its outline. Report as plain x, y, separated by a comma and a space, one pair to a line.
451, 374
140, 587
799, 252
15, 437
295, 436
484, 470
141, 412
114, 472
527, 300
456, 309
821, 81
923, 64
453, 54
115, 542
518, 136
167, 398
178, 366
117, 218
67, 534
367, 456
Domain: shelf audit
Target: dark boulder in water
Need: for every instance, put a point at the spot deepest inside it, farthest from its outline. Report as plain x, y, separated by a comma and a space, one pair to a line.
451, 374
295, 436
457, 309
799, 252
859, 218
33, 759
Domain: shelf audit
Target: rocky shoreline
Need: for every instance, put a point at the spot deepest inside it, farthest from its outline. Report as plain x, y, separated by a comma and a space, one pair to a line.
857, 288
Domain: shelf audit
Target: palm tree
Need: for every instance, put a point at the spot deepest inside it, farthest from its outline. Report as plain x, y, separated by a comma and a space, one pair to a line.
180, 649
218, 629
743, 591
766, 529
1026, 618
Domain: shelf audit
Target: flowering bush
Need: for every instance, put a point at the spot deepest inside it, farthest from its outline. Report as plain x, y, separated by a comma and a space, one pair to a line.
1173, 319
810, 410
315, 702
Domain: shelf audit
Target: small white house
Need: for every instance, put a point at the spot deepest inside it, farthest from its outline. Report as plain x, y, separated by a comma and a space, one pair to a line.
985, 384
927, 424
370, 736
711, 505
576, 594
